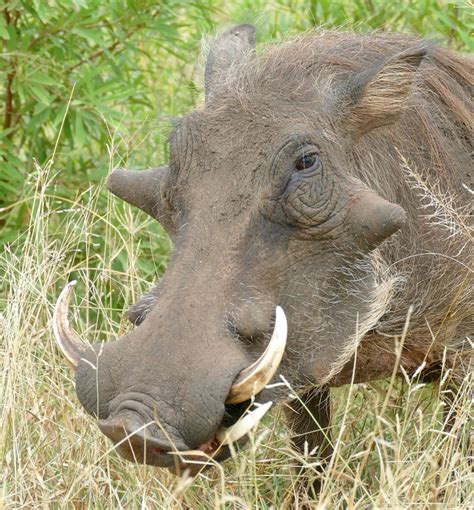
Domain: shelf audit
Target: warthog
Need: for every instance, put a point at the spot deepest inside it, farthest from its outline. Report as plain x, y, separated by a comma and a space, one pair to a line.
318, 207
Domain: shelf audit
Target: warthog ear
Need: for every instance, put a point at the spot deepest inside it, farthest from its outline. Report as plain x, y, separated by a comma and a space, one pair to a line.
228, 48
377, 97
143, 189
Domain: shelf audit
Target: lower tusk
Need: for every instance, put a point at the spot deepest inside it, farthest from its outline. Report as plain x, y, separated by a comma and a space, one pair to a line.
193, 453
244, 426
254, 378
67, 340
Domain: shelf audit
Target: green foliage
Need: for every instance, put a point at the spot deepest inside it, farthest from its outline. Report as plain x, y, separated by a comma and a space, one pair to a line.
98, 60
448, 20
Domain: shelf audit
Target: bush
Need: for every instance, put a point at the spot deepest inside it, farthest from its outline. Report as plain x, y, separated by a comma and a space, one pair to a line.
70, 69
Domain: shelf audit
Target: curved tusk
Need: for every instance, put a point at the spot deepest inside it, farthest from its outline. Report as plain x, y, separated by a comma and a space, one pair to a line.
254, 378
244, 426
68, 341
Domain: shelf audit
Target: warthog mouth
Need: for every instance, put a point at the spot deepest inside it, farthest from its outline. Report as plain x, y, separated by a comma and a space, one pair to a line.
137, 444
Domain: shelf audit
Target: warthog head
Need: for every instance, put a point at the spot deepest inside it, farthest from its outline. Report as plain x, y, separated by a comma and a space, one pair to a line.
270, 227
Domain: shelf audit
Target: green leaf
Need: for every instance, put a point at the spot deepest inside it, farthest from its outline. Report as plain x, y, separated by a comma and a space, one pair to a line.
40, 93
3, 29
8, 187
59, 116
13, 173
39, 108
91, 35
42, 78
42, 10
12, 38
80, 3
79, 134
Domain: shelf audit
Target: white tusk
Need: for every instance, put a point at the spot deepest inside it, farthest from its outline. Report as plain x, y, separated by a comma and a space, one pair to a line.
67, 340
254, 378
194, 453
244, 426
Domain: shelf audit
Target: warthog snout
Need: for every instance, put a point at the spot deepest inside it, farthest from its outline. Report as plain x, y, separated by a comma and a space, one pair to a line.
135, 421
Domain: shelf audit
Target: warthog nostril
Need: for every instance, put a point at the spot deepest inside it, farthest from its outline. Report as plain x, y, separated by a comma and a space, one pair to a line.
128, 431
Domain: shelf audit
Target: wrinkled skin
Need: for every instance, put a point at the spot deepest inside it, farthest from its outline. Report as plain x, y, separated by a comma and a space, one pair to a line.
269, 201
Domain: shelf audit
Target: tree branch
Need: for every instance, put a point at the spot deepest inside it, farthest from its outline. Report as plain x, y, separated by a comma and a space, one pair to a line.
7, 122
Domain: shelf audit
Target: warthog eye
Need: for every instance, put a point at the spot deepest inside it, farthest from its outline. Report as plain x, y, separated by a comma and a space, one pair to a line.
307, 161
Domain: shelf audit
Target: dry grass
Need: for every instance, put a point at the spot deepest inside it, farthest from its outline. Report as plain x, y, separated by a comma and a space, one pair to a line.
391, 448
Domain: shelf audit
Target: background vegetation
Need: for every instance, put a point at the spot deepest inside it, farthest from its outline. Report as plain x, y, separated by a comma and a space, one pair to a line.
90, 85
